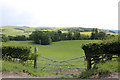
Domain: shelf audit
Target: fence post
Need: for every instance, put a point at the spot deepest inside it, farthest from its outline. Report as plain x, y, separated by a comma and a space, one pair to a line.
88, 63
35, 60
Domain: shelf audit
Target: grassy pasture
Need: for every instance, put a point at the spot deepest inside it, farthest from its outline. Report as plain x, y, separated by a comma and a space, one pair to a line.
57, 50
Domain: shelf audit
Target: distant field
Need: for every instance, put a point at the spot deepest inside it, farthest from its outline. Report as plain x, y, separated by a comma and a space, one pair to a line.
89, 33
112, 33
16, 30
86, 33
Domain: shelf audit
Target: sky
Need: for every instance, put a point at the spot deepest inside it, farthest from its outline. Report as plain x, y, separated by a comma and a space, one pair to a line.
102, 14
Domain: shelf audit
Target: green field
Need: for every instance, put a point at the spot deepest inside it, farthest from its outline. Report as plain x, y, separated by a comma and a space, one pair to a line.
57, 50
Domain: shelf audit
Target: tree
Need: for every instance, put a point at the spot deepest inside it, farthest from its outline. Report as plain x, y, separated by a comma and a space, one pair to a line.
11, 38
40, 37
94, 34
20, 38
69, 36
5, 38
101, 35
76, 35
59, 32
46, 40
64, 36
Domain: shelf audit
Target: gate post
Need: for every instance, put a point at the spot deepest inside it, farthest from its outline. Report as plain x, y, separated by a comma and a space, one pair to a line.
88, 62
35, 60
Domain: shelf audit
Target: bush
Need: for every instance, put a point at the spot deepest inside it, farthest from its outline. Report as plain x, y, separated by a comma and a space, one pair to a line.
16, 52
87, 74
111, 47
5, 38
107, 67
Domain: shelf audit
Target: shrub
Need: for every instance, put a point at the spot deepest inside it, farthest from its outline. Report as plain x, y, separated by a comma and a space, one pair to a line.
111, 47
16, 52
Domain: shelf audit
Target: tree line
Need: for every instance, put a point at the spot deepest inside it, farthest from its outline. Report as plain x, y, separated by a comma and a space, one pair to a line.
46, 37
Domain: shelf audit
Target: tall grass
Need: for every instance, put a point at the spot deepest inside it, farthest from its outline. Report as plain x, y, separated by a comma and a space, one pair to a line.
16, 67
102, 68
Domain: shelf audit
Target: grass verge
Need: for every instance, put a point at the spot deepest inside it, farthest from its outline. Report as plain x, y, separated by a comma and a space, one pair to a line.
17, 67
101, 68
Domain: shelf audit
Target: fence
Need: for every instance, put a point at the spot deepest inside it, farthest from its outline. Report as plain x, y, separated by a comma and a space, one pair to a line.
69, 66
92, 60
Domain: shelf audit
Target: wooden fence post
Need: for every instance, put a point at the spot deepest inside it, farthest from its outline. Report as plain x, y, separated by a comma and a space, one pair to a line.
88, 63
35, 60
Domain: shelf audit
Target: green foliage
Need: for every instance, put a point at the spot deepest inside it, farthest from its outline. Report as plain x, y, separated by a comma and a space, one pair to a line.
69, 35
97, 35
40, 37
108, 47
66, 49
16, 52
17, 67
77, 35
20, 38
101, 68
87, 74
57, 49
67, 76
107, 67
5, 38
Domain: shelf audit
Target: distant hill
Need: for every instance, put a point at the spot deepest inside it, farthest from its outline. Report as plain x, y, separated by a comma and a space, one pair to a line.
113, 31
25, 30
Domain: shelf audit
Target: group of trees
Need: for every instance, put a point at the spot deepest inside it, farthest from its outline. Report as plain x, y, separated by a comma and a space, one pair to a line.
40, 37
46, 37
97, 35
14, 38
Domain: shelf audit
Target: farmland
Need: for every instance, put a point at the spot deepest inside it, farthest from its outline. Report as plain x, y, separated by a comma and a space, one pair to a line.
61, 54
23, 30
57, 50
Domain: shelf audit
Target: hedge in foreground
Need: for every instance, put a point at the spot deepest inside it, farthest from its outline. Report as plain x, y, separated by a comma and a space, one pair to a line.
102, 48
23, 53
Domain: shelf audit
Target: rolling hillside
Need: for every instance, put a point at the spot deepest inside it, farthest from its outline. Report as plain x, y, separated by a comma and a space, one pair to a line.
24, 30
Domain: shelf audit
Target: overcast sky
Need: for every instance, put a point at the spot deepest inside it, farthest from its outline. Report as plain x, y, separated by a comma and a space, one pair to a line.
102, 14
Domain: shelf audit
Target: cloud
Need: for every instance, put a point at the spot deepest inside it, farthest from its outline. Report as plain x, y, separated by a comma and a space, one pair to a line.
60, 13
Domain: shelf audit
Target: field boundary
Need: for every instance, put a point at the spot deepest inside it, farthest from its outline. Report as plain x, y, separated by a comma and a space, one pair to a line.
61, 67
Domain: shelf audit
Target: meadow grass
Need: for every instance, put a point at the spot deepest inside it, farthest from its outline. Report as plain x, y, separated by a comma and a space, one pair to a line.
59, 51
102, 68
17, 67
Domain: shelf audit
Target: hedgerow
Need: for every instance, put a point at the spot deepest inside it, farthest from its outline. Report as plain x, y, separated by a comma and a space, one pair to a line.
20, 52
108, 47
